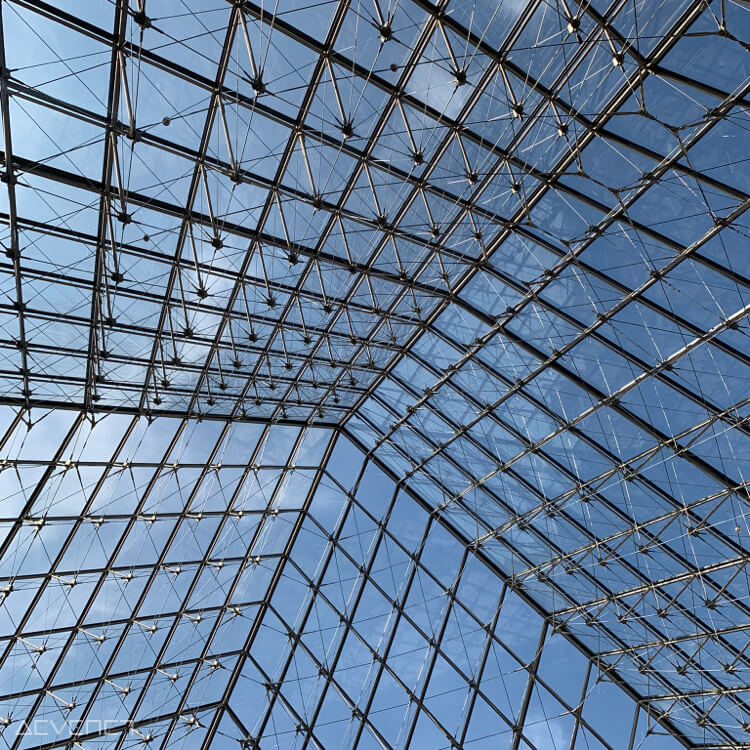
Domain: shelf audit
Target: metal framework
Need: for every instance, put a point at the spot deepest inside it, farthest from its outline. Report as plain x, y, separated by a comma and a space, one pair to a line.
265, 586
358, 357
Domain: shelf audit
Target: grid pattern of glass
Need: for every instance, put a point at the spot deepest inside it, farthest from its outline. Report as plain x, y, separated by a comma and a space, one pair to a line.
136, 559
192, 585
499, 245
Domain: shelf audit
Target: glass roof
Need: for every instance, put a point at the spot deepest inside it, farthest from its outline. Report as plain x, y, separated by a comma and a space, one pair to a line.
190, 584
499, 247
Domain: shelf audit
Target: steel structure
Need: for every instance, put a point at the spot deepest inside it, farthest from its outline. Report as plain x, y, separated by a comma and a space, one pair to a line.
374, 374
